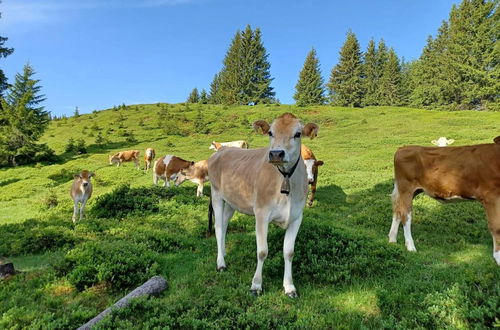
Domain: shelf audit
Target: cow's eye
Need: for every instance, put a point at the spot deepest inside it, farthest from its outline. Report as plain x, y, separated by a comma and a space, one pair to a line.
297, 135
270, 133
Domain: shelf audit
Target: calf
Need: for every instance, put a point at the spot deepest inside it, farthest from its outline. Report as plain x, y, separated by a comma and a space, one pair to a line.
238, 144
168, 167
442, 142
125, 156
149, 155
447, 174
196, 173
269, 183
312, 170
80, 192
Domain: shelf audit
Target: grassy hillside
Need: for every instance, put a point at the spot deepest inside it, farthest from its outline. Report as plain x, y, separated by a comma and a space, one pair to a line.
346, 272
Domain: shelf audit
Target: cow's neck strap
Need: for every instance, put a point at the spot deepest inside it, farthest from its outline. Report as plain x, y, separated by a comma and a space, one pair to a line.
285, 185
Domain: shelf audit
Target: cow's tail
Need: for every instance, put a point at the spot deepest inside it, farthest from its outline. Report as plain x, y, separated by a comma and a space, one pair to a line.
210, 216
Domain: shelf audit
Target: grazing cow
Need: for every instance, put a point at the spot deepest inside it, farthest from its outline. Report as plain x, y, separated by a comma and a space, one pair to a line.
125, 156
167, 168
312, 170
238, 144
269, 183
447, 174
80, 192
442, 142
149, 155
196, 173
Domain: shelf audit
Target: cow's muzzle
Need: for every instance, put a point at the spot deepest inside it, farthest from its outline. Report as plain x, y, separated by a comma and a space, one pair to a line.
277, 156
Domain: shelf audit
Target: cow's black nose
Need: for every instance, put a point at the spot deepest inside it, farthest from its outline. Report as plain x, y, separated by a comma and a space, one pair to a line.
276, 155
85, 184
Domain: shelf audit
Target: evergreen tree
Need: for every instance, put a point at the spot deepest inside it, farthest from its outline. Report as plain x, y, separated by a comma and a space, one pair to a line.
382, 58
371, 75
215, 94
346, 79
309, 89
76, 113
390, 82
194, 96
203, 97
22, 119
245, 76
4, 52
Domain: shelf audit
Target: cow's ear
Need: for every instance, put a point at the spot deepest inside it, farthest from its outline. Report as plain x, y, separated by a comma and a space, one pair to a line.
311, 130
77, 176
434, 142
450, 141
263, 125
319, 163
91, 174
497, 140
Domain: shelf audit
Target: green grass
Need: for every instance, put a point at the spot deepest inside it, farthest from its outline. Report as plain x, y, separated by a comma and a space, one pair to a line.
347, 274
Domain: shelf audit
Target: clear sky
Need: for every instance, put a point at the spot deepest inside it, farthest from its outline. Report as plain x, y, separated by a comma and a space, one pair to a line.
98, 53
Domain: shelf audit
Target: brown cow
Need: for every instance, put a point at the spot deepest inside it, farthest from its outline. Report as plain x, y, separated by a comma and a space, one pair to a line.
80, 192
125, 156
312, 170
149, 155
167, 168
269, 183
196, 173
447, 174
237, 144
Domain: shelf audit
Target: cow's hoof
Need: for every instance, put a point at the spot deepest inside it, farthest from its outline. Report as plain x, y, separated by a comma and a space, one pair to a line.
221, 269
292, 294
255, 293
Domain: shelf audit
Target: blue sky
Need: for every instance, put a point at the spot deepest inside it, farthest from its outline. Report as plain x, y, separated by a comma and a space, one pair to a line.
98, 53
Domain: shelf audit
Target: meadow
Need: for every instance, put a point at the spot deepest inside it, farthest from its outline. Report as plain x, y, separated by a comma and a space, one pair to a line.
346, 272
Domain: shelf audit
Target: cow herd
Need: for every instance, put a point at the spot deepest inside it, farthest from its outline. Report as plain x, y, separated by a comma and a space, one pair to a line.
271, 184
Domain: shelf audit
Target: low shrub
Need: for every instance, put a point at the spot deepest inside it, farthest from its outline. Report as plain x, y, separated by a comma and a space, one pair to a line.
119, 264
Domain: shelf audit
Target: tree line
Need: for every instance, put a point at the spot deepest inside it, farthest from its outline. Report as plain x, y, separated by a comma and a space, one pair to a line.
458, 69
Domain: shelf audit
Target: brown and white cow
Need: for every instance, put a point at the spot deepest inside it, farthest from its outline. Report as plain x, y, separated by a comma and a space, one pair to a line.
168, 167
237, 144
196, 173
149, 155
312, 170
447, 174
442, 142
125, 156
81, 191
269, 183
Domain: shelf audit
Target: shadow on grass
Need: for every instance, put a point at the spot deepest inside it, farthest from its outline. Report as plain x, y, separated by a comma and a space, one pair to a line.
8, 181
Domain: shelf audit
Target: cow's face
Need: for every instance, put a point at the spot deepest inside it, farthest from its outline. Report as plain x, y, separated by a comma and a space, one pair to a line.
285, 135
181, 177
83, 179
442, 142
112, 159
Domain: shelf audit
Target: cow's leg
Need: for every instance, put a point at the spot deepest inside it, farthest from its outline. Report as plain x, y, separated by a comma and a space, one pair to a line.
155, 177
227, 214
199, 189
218, 207
288, 251
402, 207
82, 206
261, 228
313, 192
493, 214
136, 162
75, 210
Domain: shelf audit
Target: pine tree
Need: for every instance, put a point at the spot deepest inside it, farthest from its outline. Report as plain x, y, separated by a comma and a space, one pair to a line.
309, 89
346, 79
382, 58
4, 52
203, 97
76, 113
194, 96
231, 75
390, 82
371, 75
259, 82
22, 119
215, 94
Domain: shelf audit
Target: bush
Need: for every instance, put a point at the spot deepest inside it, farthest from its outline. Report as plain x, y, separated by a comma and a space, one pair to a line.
50, 200
120, 264
124, 200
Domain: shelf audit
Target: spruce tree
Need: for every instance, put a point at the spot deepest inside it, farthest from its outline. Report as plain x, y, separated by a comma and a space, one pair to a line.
309, 89
231, 75
23, 120
4, 52
203, 97
390, 82
346, 80
215, 93
371, 75
381, 57
259, 81
194, 96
